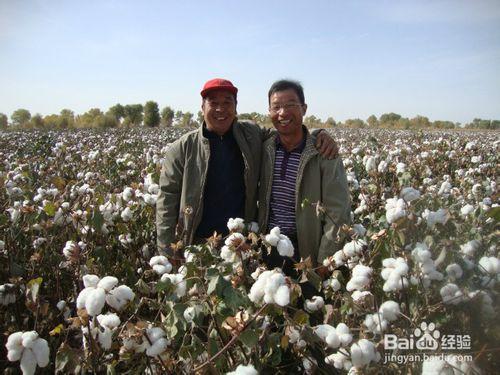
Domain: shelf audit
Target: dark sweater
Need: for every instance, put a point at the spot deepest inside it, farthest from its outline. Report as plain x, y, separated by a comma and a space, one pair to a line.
224, 195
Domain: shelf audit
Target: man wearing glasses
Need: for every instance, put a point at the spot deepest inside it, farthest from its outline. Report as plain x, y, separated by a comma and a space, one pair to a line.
211, 174
293, 171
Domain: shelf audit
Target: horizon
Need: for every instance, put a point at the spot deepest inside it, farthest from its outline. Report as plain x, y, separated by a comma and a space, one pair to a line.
435, 59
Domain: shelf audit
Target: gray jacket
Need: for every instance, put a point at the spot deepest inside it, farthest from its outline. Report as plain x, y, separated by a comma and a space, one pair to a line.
183, 176
318, 180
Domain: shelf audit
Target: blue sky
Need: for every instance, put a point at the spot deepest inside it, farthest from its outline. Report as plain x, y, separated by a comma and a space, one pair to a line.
439, 59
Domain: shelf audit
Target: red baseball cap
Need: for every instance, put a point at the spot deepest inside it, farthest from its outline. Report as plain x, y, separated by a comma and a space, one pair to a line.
218, 84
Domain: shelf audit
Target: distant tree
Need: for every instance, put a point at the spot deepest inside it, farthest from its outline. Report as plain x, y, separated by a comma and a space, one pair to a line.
88, 119
66, 119
117, 111
4, 121
178, 118
330, 123
187, 119
420, 122
106, 121
372, 121
167, 116
51, 121
403, 123
20, 117
389, 119
354, 123
495, 124
199, 117
151, 114
133, 114
312, 122
443, 124
37, 121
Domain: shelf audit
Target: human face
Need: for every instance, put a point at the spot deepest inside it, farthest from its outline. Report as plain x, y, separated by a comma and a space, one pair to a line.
287, 113
219, 111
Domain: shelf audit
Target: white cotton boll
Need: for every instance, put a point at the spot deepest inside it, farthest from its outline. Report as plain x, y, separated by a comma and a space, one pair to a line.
176, 279
339, 360
314, 304
395, 209
236, 224
390, 310
467, 210
282, 296
28, 362
127, 194
161, 269
274, 282
95, 301
90, 281
157, 348
118, 297
409, 194
432, 218
105, 339
333, 340
370, 164
155, 333
489, 265
14, 346
235, 239
272, 239
126, 214
375, 323
469, 249
82, 297
323, 330
244, 370
353, 247
358, 296
41, 351
363, 352
454, 271
228, 255
285, 247
382, 166
400, 168
28, 338
189, 314
109, 320
451, 294
107, 283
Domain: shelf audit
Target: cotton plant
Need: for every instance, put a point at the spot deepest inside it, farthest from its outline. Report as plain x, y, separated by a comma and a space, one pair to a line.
360, 278
153, 341
426, 265
490, 269
395, 273
98, 292
270, 287
314, 304
349, 254
395, 209
7, 294
28, 348
281, 242
235, 224
177, 279
334, 337
160, 264
432, 218
244, 370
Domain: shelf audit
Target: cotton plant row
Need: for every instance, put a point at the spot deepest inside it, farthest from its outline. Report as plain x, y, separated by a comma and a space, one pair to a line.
82, 203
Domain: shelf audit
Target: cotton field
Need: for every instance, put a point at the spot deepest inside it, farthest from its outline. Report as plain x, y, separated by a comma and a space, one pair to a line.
414, 289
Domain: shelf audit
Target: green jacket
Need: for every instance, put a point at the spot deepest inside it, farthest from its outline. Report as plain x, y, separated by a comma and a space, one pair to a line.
183, 176
318, 180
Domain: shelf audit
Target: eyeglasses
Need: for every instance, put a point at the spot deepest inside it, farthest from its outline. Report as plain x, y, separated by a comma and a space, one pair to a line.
275, 108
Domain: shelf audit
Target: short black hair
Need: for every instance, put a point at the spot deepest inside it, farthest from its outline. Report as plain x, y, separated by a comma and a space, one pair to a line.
287, 84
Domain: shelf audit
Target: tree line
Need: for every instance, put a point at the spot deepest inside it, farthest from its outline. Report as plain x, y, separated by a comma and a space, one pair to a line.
149, 115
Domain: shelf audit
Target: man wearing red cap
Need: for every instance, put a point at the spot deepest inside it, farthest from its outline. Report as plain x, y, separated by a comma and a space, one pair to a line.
211, 174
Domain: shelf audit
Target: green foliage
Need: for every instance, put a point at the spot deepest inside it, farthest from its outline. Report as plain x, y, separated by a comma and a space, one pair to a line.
151, 114
167, 116
3, 121
20, 117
